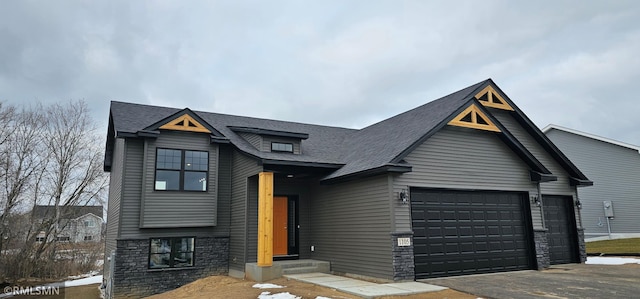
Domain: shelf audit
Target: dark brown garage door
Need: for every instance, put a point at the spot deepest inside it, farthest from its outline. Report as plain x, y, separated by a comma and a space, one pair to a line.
559, 220
469, 232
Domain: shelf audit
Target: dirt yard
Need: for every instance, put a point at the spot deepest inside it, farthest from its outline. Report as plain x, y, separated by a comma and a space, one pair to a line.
229, 287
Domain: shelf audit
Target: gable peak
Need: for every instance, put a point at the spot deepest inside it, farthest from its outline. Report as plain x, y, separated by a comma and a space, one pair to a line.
488, 97
474, 118
185, 122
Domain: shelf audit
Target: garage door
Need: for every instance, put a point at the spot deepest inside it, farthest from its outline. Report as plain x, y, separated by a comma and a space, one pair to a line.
469, 232
562, 235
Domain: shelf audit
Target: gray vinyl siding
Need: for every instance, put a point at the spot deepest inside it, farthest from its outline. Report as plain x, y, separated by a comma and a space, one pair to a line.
252, 219
351, 227
267, 140
254, 139
174, 208
559, 187
243, 168
462, 158
131, 201
615, 171
113, 208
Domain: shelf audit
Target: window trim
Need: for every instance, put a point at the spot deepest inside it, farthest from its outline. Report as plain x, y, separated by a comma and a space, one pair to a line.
281, 143
171, 254
181, 171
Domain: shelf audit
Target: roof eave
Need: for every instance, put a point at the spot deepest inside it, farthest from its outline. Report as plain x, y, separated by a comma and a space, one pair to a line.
387, 168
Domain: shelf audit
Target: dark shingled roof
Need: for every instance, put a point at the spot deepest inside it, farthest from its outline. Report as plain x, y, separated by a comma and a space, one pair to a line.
351, 152
67, 212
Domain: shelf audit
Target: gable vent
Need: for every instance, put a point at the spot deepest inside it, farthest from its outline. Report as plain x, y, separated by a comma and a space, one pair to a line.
185, 123
488, 97
473, 118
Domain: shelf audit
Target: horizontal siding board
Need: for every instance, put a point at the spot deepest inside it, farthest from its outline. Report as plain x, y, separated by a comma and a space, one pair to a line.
131, 204
243, 168
115, 194
351, 227
462, 158
559, 187
615, 171
167, 208
254, 139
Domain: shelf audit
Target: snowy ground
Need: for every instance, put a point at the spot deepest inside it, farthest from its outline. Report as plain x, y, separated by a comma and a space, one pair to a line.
73, 282
284, 295
604, 260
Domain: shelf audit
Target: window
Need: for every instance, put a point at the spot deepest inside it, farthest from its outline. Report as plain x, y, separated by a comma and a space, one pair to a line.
39, 239
63, 239
89, 223
181, 170
171, 253
281, 147
88, 238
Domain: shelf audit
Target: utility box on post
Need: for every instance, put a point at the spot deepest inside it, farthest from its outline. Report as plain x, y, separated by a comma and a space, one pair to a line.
608, 209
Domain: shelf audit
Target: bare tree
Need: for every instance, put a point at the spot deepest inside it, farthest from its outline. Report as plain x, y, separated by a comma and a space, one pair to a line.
50, 156
20, 158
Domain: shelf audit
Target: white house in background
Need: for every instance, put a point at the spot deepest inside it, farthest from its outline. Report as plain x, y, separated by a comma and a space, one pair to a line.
77, 223
612, 206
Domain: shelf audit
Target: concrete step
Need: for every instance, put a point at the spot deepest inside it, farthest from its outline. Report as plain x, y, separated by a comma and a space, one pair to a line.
299, 270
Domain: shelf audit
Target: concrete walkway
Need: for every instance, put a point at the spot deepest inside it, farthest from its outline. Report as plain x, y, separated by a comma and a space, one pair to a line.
365, 289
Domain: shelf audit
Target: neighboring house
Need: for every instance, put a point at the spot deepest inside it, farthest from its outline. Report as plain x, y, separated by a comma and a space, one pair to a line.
612, 206
77, 223
452, 187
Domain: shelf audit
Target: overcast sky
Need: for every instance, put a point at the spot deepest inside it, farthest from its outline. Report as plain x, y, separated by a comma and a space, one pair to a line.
340, 63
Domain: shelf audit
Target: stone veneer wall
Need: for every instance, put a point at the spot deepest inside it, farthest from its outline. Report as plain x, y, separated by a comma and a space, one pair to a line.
582, 247
132, 277
542, 248
403, 259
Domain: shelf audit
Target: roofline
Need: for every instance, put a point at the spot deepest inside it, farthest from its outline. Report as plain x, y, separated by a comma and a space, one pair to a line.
391, 167
300, 163
261, 131
589, 135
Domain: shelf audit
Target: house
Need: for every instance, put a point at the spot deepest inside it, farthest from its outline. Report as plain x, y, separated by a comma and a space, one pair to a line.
611, 207
77, 223
463, 184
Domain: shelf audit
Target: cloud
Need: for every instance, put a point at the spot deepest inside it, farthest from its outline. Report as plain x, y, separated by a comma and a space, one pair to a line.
330, 62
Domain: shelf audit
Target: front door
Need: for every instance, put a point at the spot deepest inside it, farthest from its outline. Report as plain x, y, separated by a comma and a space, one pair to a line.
280, 225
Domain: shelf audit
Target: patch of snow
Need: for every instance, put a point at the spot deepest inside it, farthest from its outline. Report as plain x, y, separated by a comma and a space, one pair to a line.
285, 295
602, 260
266, 286
83, 281
92, 273
321, 297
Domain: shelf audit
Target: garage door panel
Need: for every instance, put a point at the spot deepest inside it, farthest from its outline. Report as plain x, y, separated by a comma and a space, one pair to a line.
470, 232
560, 224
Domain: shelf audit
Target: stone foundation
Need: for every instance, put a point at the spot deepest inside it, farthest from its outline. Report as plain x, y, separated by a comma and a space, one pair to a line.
132, 277
403, 260
582, 248
541, 240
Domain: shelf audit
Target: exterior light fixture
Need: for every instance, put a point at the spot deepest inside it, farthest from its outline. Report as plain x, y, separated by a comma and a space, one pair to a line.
536, 199
578, 203
403, 196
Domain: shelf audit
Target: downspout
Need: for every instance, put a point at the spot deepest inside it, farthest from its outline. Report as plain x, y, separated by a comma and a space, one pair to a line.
541, 205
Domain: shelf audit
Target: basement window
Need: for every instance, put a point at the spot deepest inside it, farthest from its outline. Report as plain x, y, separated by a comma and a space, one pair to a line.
282, 147
171, 253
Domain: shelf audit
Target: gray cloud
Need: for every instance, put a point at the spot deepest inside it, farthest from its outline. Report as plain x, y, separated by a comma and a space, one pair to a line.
344, 63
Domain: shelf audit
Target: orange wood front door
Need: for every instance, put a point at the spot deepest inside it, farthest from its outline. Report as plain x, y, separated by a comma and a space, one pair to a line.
280, 213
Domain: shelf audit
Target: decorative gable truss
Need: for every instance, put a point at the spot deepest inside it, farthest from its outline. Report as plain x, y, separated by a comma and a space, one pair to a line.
488, 97
474, 118
185, 123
